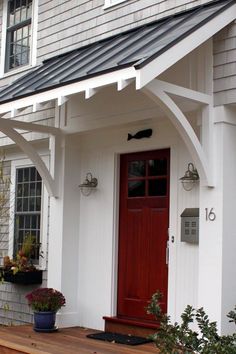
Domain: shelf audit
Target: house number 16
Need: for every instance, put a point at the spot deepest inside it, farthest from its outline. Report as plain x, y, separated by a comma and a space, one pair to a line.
210, 215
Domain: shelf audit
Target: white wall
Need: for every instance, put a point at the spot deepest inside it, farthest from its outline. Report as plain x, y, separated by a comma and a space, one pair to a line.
98, 217
217, 261
229, 226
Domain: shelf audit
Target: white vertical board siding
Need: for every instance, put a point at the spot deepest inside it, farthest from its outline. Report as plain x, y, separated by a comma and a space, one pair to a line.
66, 25
98, 219
225, 65
229, 227
186, 253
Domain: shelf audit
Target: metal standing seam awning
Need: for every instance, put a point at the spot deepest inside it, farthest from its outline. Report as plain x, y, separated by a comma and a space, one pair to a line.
139, 55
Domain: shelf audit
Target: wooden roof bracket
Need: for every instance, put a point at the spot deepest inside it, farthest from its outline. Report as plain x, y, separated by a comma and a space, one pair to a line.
49, 175
201, 152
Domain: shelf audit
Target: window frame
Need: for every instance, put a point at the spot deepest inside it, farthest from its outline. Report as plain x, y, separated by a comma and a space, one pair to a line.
12, 30
25, 163
4, 72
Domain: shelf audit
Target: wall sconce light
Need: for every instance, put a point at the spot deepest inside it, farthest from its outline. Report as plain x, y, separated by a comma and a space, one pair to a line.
190, 178
90, 183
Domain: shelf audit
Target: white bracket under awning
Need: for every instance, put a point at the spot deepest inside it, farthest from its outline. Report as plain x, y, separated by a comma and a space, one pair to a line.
60, 96
158, 92
50, 179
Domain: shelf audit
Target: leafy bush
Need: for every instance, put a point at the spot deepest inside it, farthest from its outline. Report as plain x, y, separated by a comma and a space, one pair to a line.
181, 339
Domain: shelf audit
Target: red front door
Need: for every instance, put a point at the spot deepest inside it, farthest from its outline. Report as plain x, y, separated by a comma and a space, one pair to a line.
143, 231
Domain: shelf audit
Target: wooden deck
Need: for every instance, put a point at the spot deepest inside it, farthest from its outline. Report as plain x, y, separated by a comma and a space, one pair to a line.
23, 339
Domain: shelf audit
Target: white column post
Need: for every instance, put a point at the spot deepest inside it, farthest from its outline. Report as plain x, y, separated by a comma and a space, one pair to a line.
217, 261
63, 233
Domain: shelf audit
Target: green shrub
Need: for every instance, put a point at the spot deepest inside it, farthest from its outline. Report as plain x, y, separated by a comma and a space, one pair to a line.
181, 339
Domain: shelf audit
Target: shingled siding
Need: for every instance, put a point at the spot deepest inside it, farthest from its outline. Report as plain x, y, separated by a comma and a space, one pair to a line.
225, 65
65, 25
14, 309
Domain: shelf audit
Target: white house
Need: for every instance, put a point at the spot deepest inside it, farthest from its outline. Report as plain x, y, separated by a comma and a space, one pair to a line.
77, 77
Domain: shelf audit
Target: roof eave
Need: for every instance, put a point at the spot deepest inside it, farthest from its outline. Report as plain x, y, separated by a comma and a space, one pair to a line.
147, 70
56, 93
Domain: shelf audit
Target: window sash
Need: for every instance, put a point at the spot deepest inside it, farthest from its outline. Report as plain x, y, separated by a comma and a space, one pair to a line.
18, 49
27, 221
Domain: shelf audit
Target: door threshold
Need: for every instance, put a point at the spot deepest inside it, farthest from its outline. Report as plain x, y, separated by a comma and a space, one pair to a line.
129, 326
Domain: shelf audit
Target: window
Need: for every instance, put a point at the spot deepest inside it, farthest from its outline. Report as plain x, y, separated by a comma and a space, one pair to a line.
28, 194
18, 36
148, 178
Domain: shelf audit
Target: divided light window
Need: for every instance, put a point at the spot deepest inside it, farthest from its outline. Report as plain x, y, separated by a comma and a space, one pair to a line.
18, 33
27, 208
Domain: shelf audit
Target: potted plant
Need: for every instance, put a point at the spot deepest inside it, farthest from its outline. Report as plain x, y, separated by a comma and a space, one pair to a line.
45, 303
21, 270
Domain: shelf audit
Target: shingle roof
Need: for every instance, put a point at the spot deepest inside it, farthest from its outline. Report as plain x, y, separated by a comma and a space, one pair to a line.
136, 48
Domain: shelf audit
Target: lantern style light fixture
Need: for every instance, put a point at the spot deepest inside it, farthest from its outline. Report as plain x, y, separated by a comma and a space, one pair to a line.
90, 183
190, 178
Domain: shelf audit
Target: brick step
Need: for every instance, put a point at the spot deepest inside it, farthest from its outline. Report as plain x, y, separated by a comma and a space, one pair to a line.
128, 326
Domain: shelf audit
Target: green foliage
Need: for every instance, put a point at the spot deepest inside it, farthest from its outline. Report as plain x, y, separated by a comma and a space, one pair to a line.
232, 315
181, 339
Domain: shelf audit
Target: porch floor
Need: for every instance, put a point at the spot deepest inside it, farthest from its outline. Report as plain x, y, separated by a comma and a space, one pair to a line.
23, 339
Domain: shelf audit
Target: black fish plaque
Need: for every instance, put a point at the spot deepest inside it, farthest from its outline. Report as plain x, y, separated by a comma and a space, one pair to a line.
147, 133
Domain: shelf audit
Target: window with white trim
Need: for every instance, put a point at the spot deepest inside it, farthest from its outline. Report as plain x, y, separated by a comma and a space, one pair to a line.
27, 218
18, 33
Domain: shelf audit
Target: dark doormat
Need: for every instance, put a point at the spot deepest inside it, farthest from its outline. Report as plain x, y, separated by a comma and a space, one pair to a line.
119, 338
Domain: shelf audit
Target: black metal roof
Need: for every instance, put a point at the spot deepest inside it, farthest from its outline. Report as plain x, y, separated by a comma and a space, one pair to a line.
136, 48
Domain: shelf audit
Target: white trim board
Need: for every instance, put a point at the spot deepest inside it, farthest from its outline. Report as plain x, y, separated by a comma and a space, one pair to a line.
70, 89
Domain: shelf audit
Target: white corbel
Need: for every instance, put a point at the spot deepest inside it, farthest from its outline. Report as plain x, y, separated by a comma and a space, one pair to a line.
184, 128
61, 100
50, 179
89, 92
35, 158
180, 91
16, 124
122, 84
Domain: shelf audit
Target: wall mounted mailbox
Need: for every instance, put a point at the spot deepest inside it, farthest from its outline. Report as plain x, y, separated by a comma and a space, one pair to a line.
190, 225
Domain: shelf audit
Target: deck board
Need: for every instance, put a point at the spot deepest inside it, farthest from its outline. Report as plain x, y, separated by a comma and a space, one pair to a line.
23, 339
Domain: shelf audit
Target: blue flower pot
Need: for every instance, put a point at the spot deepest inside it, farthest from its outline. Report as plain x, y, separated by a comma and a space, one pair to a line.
44, 321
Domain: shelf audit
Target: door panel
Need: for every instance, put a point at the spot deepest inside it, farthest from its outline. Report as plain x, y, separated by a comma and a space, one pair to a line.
144, 217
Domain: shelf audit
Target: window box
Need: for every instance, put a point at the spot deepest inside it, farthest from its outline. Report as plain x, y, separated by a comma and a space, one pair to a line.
24, 278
